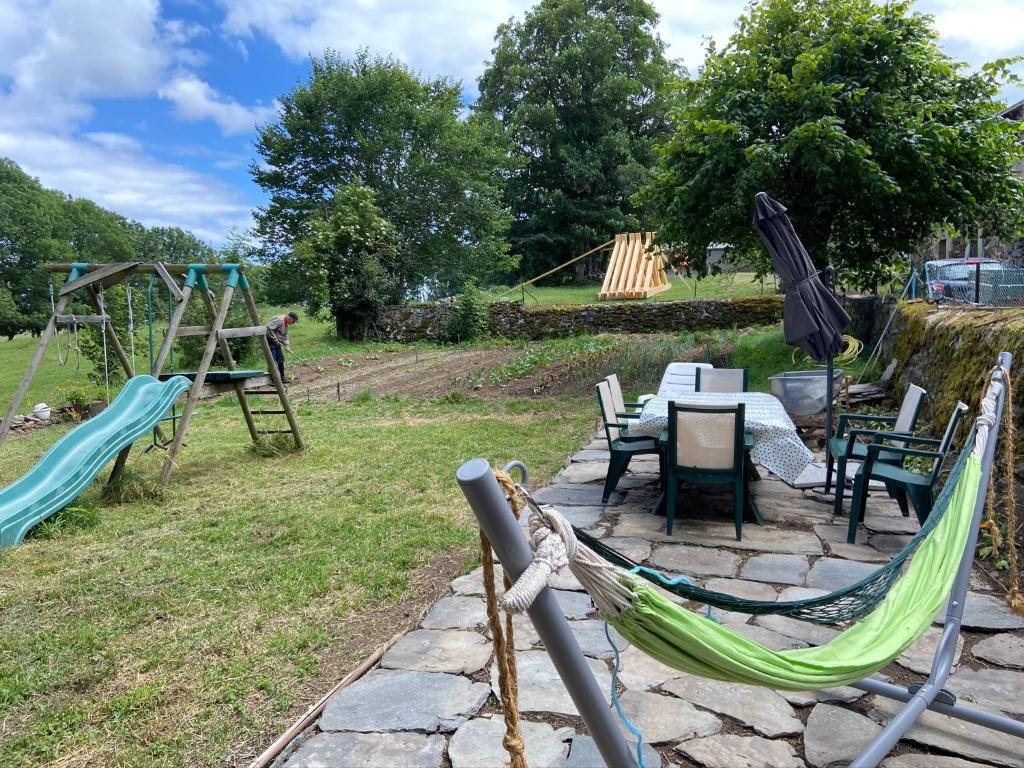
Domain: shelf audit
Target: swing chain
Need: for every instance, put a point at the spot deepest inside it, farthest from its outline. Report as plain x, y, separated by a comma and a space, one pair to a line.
103, 335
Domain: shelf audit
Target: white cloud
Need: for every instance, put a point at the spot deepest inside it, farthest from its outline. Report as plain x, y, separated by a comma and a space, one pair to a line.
993, 28
111, 170
194, 99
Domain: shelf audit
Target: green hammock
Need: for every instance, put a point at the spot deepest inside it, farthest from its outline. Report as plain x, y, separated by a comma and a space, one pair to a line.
692, 643
847, 604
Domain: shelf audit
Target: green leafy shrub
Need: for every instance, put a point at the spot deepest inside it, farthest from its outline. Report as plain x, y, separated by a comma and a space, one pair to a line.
77, 396
468, 320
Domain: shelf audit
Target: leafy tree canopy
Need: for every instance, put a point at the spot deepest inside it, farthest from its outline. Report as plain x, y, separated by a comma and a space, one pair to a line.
579, 87
850, 114
372, 122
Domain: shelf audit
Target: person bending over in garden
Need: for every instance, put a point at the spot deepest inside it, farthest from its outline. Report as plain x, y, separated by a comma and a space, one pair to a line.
277, 335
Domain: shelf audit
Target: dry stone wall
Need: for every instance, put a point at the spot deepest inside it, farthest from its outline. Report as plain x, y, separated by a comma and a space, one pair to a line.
512, 319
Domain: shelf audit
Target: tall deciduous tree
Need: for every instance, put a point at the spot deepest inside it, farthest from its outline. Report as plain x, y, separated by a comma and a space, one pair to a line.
372, 122
849, 113
579, 86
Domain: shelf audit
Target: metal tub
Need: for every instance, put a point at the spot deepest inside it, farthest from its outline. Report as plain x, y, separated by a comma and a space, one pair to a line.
804, 393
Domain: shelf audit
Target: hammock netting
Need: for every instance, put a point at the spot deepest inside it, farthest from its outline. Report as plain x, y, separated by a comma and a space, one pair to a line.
692, 643
843, 605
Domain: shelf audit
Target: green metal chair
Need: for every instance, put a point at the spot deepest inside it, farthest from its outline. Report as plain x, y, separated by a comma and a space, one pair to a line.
900, 482
707, 444
622, 408
720, 379
847, 445
621, 446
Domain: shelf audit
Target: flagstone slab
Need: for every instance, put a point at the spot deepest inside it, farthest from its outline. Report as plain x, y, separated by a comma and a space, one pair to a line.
478, 744
897, 523
835, 736
918, 760
992, 689
583, 472
583, 753
835, 537
1004, 649
591, 453
790, 594
639, 672
665, 718
833, 573
766, 637
957, 737
456, 612
439, 650
759, 708
761, 538
473, 582
748, 590
918, 657
694, 561
986, 612
635, 549
578, 494
844, 694
564, 580
733, 751
813, 634
593, 642
890, 544
582, 516
391, 700
780, 569
370, 750
540, 687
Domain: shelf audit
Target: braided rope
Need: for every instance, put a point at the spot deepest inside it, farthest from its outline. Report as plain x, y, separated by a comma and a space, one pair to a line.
504, 640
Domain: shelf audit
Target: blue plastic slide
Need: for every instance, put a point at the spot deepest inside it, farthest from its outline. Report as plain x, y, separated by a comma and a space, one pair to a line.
69, 466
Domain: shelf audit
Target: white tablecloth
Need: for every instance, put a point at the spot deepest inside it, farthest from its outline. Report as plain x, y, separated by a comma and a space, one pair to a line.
777, 447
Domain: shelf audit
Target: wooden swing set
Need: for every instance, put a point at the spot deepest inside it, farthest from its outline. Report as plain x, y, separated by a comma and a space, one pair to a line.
94, 279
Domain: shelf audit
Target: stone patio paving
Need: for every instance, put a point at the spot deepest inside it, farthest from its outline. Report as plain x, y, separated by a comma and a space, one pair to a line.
432, 700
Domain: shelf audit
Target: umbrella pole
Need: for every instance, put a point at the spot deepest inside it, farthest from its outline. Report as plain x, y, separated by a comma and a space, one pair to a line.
828, 406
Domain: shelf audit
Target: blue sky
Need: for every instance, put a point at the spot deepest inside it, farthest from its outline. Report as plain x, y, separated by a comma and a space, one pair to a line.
149, 107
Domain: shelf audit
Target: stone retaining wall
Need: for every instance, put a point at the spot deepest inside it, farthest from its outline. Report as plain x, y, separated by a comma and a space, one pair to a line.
948, 351
512, 319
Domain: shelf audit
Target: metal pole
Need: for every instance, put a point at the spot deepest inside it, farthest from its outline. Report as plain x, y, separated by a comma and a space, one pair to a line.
492, 511
942, 662
977, 283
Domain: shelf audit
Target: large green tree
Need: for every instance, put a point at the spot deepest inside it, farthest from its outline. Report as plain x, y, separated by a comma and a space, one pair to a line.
32, 231
850, 114
579, 86
372, 122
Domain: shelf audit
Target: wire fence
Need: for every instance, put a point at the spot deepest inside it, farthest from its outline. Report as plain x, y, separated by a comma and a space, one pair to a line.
979, 282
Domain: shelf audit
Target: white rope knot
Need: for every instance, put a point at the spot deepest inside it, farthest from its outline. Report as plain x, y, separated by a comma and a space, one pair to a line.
555, 546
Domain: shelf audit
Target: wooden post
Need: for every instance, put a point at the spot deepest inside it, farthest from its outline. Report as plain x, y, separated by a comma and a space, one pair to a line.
225, 350
33, 365
118, 469
193, 395
275, 375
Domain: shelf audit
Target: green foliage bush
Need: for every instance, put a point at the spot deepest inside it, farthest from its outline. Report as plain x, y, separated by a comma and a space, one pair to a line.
468, 320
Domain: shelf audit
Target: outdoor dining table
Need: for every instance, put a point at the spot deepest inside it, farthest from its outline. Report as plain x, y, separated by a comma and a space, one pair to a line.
777, 446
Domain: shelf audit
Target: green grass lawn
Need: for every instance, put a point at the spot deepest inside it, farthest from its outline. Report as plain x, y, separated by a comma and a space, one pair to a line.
190, 630
712, 287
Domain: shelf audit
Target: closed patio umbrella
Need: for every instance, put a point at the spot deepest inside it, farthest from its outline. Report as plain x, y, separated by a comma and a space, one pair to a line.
812, 319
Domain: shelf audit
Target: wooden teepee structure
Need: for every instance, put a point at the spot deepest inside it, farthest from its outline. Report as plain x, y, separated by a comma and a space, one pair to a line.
636, 269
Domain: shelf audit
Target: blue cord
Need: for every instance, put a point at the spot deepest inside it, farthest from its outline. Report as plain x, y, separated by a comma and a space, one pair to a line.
630, 726
667, 582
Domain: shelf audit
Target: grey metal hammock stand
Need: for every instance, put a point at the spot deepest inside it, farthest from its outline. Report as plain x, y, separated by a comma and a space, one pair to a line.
492, 510
847, 604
